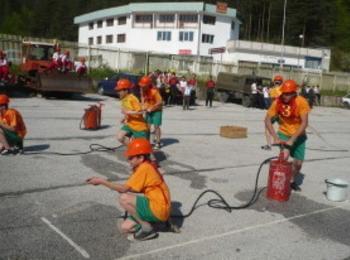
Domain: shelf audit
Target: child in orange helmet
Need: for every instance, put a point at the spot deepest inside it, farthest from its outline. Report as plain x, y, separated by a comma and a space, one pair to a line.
274, 93
134, 123
153, 105
12, 128
153, 205
292, 111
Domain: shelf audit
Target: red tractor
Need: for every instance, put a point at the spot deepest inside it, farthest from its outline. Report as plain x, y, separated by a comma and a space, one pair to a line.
36, 74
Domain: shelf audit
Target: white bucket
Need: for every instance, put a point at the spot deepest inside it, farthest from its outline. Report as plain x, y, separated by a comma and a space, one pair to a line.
336, 189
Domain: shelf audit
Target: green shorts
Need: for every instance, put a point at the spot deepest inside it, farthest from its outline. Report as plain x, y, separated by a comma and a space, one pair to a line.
298, 149
12, 137
154, 118
143, 209
136, 134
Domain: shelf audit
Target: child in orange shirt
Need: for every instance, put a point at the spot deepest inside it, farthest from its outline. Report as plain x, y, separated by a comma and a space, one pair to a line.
134, 123
292, 111
12, 128
154, 203
153, 104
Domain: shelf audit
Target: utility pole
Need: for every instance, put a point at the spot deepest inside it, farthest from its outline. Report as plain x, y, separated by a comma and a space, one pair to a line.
283, 28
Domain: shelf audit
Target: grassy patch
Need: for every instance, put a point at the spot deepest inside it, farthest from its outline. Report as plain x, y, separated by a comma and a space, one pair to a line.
336, 93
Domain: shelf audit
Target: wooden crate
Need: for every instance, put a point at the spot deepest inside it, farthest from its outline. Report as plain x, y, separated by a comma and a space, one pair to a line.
231, 131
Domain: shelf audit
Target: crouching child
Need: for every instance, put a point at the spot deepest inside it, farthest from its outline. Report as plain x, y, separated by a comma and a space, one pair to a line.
145, 195
12, 128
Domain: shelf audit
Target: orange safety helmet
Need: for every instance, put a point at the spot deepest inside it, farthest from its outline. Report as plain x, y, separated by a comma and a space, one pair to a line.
4, 100
138, 146
123, 84
278, 78
289, 86
145, 81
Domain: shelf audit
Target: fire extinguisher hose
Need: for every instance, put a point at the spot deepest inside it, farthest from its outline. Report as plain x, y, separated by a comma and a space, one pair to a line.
221, 203
92, 148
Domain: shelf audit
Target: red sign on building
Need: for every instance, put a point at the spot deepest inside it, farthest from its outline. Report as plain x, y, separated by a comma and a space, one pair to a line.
185, 52
221, 7
217, 50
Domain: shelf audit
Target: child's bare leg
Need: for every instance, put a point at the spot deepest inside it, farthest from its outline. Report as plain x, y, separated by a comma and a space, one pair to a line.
128, 202
3, 140
122, 138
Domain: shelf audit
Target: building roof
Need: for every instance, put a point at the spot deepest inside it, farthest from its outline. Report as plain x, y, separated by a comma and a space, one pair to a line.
153, 7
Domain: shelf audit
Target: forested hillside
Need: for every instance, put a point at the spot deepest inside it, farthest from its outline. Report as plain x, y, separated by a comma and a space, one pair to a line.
323, 23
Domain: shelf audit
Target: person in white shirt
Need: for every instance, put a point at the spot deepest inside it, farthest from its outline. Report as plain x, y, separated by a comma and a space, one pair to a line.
266, 95
66, 62
80, 67
254, 93
186, 90
56, 62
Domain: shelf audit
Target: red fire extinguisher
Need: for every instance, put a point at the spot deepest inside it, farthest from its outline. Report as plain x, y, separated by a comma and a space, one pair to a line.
92, 117
280, 175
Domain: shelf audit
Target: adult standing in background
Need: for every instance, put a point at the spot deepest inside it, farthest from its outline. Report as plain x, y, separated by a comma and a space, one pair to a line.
254, 94
317, 93
193, 84
210, 85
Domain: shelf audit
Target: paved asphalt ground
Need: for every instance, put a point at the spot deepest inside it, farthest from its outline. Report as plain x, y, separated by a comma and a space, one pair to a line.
47, 212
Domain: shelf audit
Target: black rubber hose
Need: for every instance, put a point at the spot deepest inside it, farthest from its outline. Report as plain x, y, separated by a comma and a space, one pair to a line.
221, 203
92, 148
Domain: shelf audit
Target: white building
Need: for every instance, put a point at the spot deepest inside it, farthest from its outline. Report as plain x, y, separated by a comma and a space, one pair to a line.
245, 52
188, 28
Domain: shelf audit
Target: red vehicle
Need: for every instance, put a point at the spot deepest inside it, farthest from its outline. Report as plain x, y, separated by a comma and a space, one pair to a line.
36, 75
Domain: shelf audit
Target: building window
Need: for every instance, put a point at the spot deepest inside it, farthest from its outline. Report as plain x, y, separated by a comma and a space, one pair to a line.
99, 24
188, 18
91, 26
186, 36
147, 18
121, 37
207, 38
91, 40
166, 18
207, 19
163, 36
121, 20
233, 25
99, 39
109, 38
110, 22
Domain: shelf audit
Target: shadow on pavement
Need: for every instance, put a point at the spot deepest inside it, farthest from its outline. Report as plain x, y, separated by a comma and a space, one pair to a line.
36, 148
169, 141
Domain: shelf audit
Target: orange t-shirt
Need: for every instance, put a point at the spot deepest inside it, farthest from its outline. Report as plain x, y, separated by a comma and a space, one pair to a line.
135, 122
145, 179
288, 125
14, 119
152, 97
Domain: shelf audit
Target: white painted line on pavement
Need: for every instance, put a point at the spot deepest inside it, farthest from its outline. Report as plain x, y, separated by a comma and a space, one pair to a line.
70, 241
229, 233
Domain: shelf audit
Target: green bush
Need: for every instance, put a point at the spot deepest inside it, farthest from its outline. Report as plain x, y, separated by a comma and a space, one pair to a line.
101, 73
336, 93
